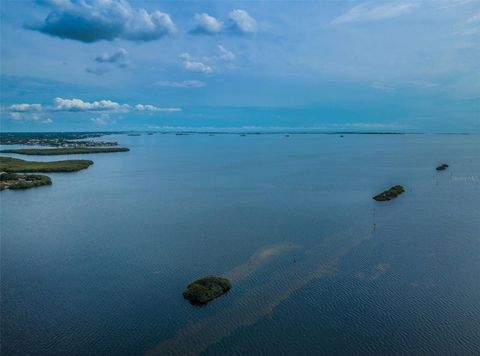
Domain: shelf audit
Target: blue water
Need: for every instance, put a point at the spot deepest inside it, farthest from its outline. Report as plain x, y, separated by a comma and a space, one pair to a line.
96, 263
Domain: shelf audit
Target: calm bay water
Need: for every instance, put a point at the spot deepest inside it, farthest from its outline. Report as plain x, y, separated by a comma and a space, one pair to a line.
96, 263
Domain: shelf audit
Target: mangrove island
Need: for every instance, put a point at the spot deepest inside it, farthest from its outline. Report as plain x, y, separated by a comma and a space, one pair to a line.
205, 289
389, 194
22, 181
17, 165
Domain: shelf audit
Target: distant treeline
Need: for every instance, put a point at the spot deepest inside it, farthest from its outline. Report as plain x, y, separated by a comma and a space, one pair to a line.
64, 150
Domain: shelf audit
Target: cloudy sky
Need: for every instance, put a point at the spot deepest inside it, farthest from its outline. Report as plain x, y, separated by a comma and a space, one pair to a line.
333, 65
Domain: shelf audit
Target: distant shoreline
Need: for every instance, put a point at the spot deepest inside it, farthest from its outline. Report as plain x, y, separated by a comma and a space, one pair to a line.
232, 131
64, 151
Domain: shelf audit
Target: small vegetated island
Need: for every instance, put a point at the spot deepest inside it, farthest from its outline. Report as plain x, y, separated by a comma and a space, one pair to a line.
17, 165
205, 289
16, 173
23, 181
390, 194
442, 167
64, 150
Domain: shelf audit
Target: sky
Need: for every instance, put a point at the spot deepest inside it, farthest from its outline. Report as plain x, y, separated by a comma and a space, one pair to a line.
108, 65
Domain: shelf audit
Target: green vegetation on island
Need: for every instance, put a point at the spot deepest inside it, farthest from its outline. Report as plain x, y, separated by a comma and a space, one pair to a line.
207, 288
64, 150
22, 181
389, 194
16, 165
442, 167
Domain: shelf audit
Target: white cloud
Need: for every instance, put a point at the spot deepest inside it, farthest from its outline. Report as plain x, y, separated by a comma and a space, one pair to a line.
182, 84
95, 20
206, 24
199, 67
152, 108
207, 64
15, 115
373, 11
29, 115
241, 22
147, 26
80, 105
194, 65
27, 112
33, 111
225, 54
25, 107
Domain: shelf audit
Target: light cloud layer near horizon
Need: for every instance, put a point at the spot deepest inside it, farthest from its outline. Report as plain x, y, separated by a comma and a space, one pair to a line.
33, 112
410, 62
74, 104
374, 11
